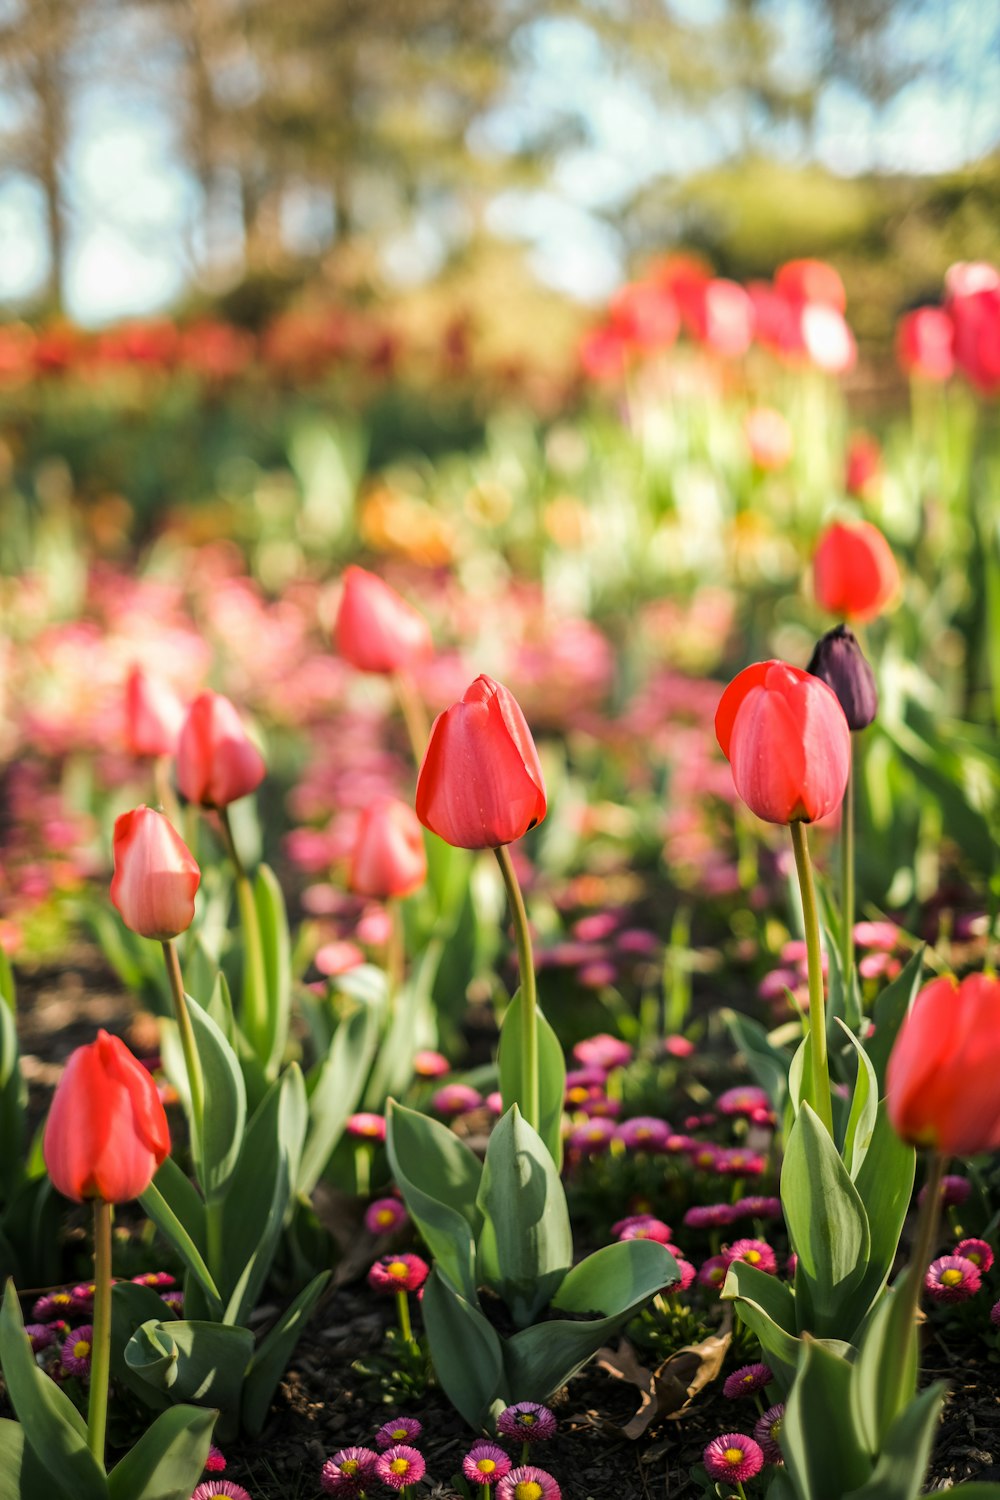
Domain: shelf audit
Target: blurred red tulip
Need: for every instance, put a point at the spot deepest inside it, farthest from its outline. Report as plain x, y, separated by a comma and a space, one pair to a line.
827, 340
924, 343
863, 465
786, 738
769, 437
941, 1081
811, 281
854, 572
976, 319
646, 315
153, 715
777, 320
720, 316
603, 354
107, 1131
156, 875
481, 784
389, 858
216, 761
376, 630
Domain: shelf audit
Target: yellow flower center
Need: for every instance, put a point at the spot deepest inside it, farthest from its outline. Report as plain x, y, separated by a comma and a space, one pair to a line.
397, 1268
733, 1455
951, 1277
399, 1465
485, 1465
81, 1348
975, 1256
752, 1257
398, 1434
528, 1489
748, 1380
577, 1095
527, 1419
384, 1216
350, 1466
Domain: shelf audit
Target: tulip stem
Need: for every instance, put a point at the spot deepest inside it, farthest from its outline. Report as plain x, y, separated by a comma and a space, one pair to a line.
847, 877
192, 1062
414, 713
100, 1352
529, 1103
255, 1007
817, 1004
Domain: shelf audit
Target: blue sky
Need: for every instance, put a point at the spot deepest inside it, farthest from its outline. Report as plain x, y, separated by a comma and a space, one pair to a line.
134, 207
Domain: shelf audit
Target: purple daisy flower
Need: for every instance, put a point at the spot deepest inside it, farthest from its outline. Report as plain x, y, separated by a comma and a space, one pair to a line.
978, 1251
733, 1457
53, 1305
767, 1431
528, 1421
954, 1191
644, 1133
344, 1473
485, 1464
952, 1278
528, 1483
400, 1466
399, 1430
225, 1487
40, 1335
995, 1314
174, 1300
76, 1351
592, 1138
83, 1297
747, 1380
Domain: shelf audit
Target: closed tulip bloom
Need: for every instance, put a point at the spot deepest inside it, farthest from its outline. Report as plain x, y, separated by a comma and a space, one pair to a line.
216, 761
153, 715
942, 1076
811, 281
156, 875
854, 572
480, 785
107, 1132
389, 858
925, 341
787, 741
376, 630
839, 661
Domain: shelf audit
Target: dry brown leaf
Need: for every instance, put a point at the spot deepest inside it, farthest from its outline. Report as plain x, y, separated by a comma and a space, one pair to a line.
668, 1390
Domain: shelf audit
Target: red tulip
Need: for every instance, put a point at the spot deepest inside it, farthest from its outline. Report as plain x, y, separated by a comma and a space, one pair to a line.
828, 340
811, 281
645, 314
376, 630
924, 343
854, 572
976, 316
153, 715
106, 1133
481, 784
155, 877
942, 1076
786, 738
863, 464
603, 354
389, 858
216, 762
720, 315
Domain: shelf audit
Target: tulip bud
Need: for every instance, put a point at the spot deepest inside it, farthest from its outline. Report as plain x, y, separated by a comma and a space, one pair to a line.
786, 738
107, 1131
854, 572
376, 630
839, 662
216, 761
941, 1081
389, 858
153, 715
480, 785
155, 877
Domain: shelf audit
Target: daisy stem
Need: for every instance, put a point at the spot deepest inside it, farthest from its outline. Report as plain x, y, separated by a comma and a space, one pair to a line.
414, 713
820, 1070
847, 877
255, 1007
529, 1100
192, 1062
740, 1490
525, 1453
405, 1326
363, 1154
100, 1357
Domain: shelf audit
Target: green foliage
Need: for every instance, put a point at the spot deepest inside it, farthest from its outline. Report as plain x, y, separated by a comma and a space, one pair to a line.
551, 1072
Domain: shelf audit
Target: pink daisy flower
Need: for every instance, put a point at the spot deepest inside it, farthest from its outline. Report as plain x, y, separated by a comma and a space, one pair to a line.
995, 1314
602, 1051
52, 1305
76, 1351
528, 1483
638, 1218
398, 1273
705, 1156
593, 1138
174, 1300
485, 1464
400, 1430
747, 1380
226, 1487
736, 1161
678, 1046
645, 1227
400, 1466
742, 1101
366, 1126
528, 1421
644, 1133
713, 1271
429, 1064
733, 1457
83, 1297
216, 1460
709, 1216
456, 1099
978, 1251
952, 1278
686, 1273
344, 1473
876, 935
757, 1207
755, 1252
384, 1215
158, 1280
40, 1336
767, 1431
954, 1191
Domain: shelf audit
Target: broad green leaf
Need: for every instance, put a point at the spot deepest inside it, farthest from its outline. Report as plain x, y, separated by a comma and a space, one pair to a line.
53, 1427
272, 920
767, 1307
884, 1378
393, 1066
525, 1244
220, 1008
827, 1224
22, 1474
798, 1071
131, 1306
168, 1460
465, 1351
901, 1465
225, 1105
161, 1212
823, 1453
273, 1353
8, 987
194, 1361
439, 1178
13, 1095
864, 1108
891, 1009
885, 1184
334, 1092
551, 1073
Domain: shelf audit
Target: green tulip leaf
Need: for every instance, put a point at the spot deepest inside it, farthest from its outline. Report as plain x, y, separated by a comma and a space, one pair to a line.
465, 1350
884, 1378
272, 1355
525, 1244
767, 1307
334, 1091
824, 1454
22, 1474
200, 1362
168, 1460
551, 1073
885, 1185
439, 1178
13, 1096
828, 1227
902, 1463
864, 1108
272, 920
225, 1105
164, 1215
133, 1305
53, 1428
